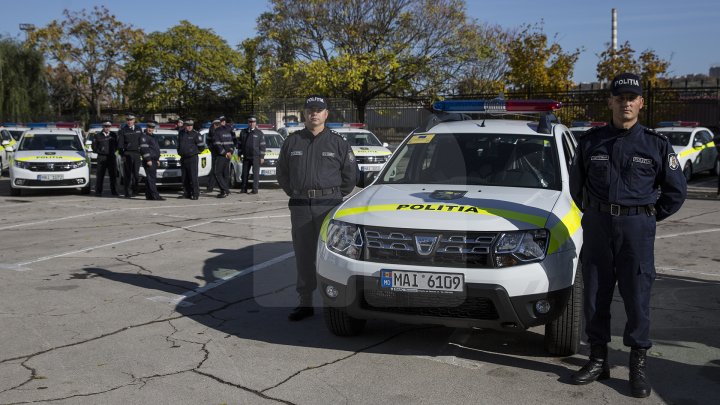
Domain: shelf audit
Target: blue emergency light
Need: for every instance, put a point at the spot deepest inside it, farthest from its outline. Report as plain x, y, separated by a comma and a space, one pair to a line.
240, 126
689, 124
496, 106
292, 124
588, 124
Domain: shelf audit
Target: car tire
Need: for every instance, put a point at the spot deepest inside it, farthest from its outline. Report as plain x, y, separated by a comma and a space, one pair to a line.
716, 169
687, 171
233, 180
85, 190
15, 192
562, 335
340, 323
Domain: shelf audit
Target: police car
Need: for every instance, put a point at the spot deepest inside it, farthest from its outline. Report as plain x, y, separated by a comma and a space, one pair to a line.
579, 128
289, 128
15, 129
470, 224
268, 169
370, 153
7, 148
693, 145
50, 158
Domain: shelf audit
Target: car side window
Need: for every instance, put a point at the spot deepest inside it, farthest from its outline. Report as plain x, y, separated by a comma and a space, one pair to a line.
568, 148
6, 135
705, 137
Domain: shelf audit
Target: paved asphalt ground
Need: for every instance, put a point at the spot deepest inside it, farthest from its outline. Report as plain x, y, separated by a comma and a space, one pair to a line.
116, 301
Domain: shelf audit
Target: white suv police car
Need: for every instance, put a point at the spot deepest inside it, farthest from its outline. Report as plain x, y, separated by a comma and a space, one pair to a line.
470, 224
693, 145
50, 159
370, 153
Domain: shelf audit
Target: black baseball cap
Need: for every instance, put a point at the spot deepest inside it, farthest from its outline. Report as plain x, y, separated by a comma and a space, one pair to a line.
626, 83
316, 101
252, 118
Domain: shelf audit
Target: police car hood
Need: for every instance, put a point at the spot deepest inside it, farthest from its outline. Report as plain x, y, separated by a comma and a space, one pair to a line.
169, 153
49, 155
370, 151
272, 153
450, 207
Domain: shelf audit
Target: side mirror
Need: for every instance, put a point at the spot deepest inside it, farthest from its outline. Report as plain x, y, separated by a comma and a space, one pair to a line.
8, 147
386, 145
697, 145
5, 143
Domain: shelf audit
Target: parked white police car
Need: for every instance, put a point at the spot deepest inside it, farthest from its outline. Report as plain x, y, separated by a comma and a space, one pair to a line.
50, 158
268, 169
693, 145
579, 128
470, 224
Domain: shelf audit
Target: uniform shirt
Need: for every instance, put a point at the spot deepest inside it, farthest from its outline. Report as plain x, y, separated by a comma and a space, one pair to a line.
149, 148
223, 141
190, 143
252, 143
129, 139
626, 167
104, 144
310, 162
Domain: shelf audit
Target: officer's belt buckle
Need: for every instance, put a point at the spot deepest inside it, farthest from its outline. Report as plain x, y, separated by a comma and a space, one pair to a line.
311, 193
614, 210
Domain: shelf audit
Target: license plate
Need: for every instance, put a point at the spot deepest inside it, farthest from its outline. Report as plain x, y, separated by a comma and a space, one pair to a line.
375, 168
414, 281
267, 172
49, 177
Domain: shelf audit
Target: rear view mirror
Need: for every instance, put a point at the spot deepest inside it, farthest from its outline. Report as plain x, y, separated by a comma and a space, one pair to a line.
698, 144
386, 145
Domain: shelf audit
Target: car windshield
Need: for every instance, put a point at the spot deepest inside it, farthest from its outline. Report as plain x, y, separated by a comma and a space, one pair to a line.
16, 133
677, 138
476, 159
168, 141
50, 142
361, 138
273, 141
578, 133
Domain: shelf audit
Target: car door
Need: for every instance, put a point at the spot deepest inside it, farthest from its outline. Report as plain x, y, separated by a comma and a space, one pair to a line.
6, 152
709, 154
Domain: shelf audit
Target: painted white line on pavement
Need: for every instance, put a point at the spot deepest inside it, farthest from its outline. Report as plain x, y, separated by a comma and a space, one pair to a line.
179, 300
672, 235
684, 271
56, 219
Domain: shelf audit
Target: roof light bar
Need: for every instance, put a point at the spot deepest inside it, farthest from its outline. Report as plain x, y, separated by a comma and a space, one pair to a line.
40, 125
345, 125
67, 125
496, 106
265, 126
240, 126
588, 124
167, 125
690, 124
292, 124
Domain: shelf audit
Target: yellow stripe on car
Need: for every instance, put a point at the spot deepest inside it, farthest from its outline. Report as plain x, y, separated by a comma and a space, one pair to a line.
690, 151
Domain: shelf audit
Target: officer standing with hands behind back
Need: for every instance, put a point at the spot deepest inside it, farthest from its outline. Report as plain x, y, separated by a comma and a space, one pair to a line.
150, 152
190, 144
316, 169
252, 147
615, 178
223, 147
129, 147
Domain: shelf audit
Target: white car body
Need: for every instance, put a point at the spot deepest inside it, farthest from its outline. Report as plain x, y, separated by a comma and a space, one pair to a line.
694, 147
450, 228
169, 172
50, 159
7, 149
370, 153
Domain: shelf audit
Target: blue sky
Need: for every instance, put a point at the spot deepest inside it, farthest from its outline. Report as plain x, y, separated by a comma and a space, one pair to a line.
682, 31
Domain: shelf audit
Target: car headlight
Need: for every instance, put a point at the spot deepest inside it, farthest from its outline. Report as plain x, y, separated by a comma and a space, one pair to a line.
521, 247
22, 165
78, 164
345, 239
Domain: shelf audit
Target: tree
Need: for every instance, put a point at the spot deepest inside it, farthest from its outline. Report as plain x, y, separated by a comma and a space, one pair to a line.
23, 91
535, 64
486, 72
187, 67
360, 49
613, 62
91, 47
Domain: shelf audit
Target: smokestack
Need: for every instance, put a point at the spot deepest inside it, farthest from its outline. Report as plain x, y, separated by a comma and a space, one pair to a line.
614, 29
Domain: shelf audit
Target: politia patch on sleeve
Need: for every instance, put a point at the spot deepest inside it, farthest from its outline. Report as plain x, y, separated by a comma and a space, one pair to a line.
673, 162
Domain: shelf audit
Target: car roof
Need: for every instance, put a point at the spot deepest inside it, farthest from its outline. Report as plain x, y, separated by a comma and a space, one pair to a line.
270, 132
350, 129
51, 131
165, 131
489, 126
681, 129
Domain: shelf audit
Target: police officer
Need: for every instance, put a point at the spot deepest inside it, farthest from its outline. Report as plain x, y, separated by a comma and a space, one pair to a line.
209, 139
617, 173
179, 125
252, 147
105, 144
316, 168
129, 147
223, 148
150, 152
190, 144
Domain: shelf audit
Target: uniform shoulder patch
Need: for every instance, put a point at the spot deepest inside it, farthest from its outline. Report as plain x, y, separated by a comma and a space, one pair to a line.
656, 133
673, 162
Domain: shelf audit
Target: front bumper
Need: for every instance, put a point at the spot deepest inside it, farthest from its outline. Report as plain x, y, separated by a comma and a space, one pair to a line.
26, 179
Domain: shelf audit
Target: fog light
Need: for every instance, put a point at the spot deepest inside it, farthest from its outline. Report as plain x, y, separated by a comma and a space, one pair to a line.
542, 307
80, 181
19, 182
331, 291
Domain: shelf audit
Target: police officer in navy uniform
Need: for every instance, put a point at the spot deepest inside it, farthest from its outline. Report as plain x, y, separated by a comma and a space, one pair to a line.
190, 144
209, 139
223, 147
625, 177
105, 144
129, 147
252, 147
150, 152
316, 169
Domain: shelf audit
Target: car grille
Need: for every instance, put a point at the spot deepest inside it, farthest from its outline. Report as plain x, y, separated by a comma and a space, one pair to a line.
269, 163
428, 304
370, 159
451, 249
171, 164
52, 183
49, 167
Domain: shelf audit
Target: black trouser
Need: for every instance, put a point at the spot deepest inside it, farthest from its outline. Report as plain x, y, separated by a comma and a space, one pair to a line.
306, 217
131, 172
151, 192
247, 163
189, 167
211, 177
220, 167
109, 164
618, 250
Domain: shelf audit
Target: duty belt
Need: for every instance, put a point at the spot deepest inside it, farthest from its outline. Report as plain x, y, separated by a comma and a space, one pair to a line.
617, 210
318, 193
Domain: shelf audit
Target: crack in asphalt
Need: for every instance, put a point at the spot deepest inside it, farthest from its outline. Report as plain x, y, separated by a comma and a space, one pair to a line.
90, 394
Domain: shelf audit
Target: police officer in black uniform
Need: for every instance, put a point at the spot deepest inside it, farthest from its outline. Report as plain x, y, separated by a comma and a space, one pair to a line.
150, 152
252, 147
223, 148
105, 144
129, 147
625, 177
190, 144
316, 168
209, 139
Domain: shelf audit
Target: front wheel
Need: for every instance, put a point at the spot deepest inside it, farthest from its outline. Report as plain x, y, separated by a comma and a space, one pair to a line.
85, 190
15, 192
562, 335
233, 180
340, 323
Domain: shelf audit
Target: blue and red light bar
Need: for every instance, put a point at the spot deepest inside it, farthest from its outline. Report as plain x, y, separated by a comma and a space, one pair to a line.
688, 124
292, 124
345, 125
496, 106
588, 124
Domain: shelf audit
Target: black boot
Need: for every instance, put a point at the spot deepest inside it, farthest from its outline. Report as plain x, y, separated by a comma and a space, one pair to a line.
597, 367
639, 384
304, 310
